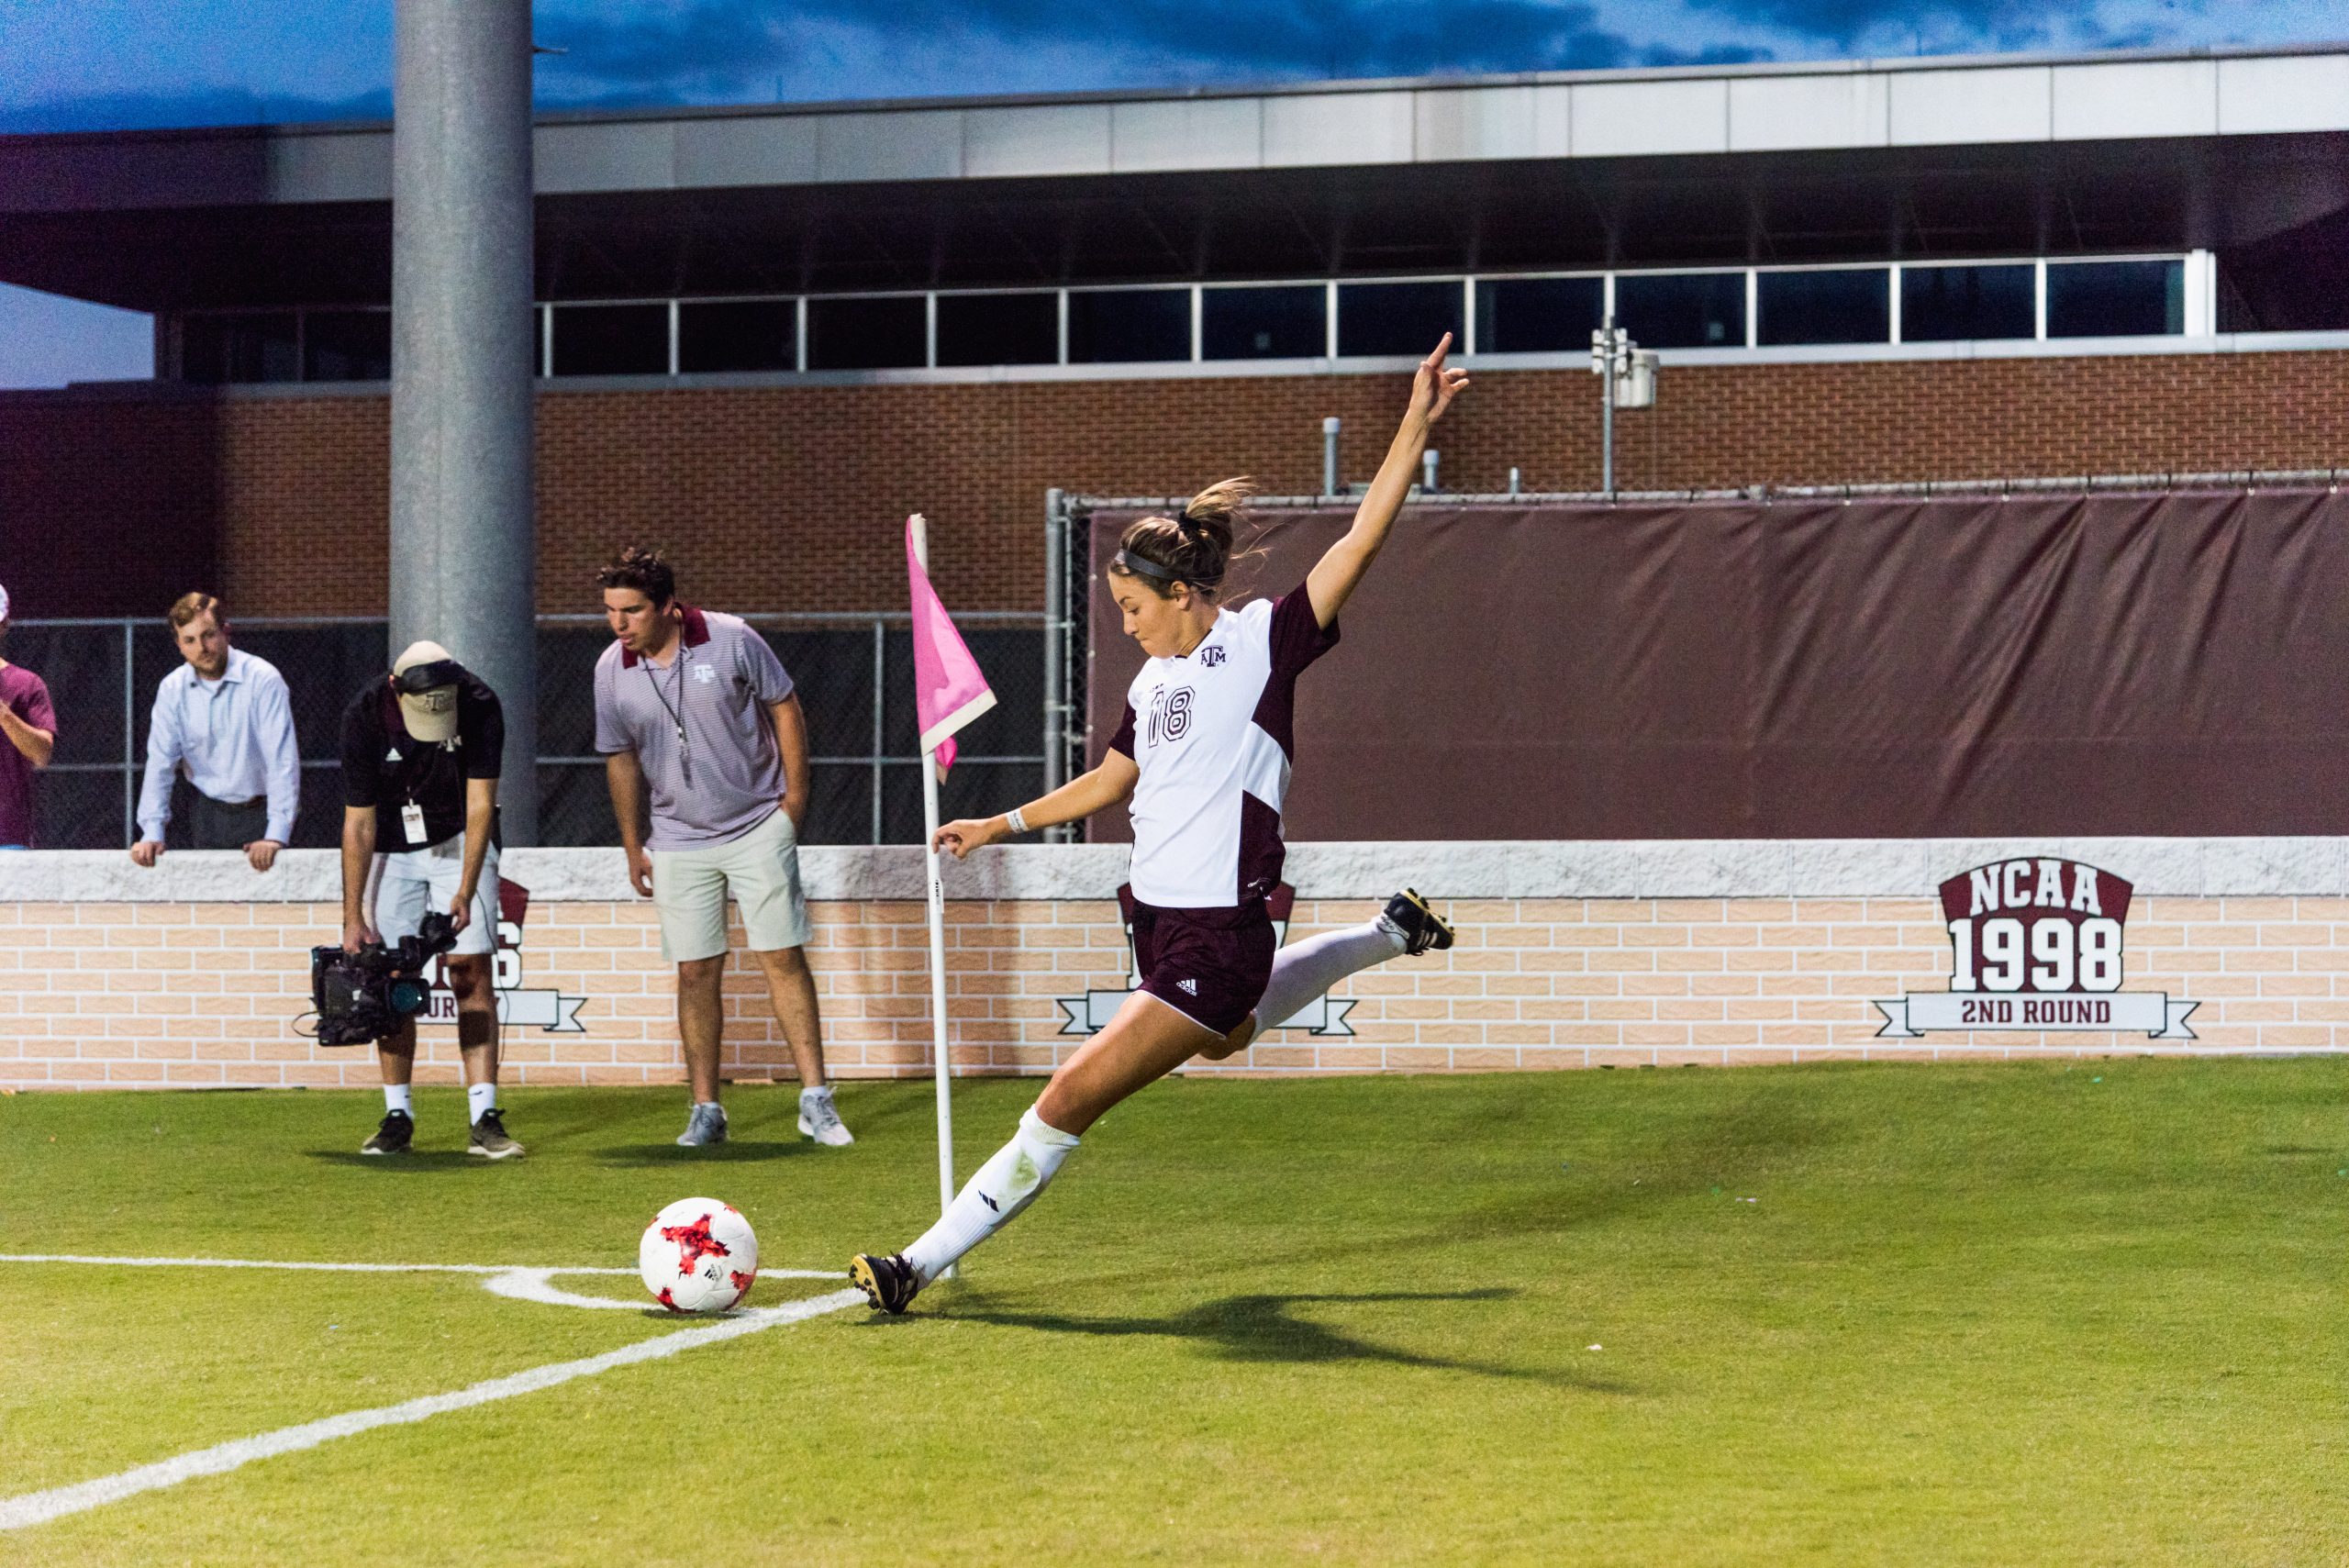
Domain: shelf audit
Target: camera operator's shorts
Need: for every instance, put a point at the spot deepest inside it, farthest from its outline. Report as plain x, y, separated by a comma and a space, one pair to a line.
759, 871
417, 881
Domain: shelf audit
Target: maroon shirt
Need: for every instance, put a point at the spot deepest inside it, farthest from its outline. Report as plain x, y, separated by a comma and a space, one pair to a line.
27, 696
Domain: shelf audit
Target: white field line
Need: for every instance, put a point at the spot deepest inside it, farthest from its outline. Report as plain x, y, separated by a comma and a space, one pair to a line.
39, 1507
267, 1264
537, 1284
363, 1268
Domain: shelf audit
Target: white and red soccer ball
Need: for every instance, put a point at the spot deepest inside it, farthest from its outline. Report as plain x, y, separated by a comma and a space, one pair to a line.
698, 1255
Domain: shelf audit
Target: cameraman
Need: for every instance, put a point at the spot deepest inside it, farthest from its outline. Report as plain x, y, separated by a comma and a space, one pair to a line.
423, 745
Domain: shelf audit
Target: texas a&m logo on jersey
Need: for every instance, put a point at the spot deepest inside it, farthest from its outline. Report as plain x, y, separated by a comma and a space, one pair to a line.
2036, 944
1091, 1013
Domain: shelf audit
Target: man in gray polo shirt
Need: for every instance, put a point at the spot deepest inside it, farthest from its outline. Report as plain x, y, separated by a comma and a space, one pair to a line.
704, 744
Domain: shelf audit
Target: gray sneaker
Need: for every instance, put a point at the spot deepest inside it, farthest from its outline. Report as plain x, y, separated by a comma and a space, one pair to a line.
707, 1125
821, 1120
490, 1139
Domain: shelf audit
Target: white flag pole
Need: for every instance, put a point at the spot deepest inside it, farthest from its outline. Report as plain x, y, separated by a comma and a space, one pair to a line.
941, 1061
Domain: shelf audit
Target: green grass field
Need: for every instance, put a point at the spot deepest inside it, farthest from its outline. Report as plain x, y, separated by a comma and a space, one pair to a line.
2029, 1313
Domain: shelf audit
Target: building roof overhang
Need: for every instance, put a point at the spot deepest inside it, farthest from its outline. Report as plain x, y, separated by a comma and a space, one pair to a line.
1995, 155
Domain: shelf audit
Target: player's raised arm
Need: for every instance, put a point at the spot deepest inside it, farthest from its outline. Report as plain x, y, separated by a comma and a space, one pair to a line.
1333, 581
1083, 795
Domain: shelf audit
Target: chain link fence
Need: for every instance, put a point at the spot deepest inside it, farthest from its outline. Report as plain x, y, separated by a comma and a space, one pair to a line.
854, 674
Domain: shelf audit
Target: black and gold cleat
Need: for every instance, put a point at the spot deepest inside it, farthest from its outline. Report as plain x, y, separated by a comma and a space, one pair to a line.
888, 1282
1422, 929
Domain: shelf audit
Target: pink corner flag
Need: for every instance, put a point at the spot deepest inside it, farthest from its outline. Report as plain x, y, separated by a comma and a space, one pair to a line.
949, 690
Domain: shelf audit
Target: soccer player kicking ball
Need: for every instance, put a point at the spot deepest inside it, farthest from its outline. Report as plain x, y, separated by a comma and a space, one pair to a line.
1204, 756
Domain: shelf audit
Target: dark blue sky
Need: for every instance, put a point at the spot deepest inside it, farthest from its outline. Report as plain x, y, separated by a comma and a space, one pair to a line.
80, 64
77, 63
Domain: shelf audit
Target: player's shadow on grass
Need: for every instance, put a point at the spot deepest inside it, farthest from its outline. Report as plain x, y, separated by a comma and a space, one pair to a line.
1261, 1329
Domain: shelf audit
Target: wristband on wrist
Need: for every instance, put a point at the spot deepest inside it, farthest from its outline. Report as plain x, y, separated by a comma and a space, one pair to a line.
1018, 823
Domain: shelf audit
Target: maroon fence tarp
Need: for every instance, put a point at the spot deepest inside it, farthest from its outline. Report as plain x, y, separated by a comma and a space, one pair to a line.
1961, 666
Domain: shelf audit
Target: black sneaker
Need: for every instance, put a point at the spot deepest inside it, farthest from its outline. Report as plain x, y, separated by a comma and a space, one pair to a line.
887, 1283
489, 1137
392, 1135
1420, 927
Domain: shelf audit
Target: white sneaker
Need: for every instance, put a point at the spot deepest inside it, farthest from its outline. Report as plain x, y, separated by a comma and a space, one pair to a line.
706, 1126
821, 1120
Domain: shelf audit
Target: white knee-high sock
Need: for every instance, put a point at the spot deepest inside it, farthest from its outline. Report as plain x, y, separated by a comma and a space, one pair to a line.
1303, 971
1006, 1183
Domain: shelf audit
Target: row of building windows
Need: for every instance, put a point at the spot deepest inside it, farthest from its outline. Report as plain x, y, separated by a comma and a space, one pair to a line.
1745, 308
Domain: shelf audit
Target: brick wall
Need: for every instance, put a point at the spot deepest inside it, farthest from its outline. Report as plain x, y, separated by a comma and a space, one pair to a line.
786, 498
110, 994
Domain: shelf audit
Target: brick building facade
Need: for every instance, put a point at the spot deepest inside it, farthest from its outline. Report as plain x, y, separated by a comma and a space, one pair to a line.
183, 979
786, 498
765, 332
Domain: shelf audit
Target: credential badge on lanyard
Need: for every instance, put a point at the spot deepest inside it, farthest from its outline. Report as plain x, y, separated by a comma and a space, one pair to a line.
412, 823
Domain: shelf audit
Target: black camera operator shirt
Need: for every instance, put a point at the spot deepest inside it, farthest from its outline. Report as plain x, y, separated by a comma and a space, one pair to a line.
386, 767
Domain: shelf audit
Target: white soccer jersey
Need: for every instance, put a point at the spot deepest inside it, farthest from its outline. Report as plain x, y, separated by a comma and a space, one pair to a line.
1213, 736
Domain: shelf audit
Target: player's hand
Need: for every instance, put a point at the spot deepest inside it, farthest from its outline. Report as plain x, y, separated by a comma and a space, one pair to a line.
1436, 384
357, 934
961, 837
146, 853
461, 909
262, 853
640, 872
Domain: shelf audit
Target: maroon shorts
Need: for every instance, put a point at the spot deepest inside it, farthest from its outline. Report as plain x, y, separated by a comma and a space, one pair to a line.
1210, 965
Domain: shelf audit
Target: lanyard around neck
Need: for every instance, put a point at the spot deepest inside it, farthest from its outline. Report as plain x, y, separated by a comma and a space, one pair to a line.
677, 711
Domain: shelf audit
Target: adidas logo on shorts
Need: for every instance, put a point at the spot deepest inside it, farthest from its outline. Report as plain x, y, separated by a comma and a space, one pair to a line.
1190, 985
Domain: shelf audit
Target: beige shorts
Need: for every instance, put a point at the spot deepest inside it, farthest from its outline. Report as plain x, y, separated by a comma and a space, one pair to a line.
416, 881
759, 871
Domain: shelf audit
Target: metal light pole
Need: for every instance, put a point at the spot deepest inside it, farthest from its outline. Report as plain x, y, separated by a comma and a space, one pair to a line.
1626, 379
1055, 670
463, 537
1607, 345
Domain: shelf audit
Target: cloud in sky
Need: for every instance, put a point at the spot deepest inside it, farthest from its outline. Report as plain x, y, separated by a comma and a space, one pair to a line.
101, 64
710, 42
96, 63
1939, 26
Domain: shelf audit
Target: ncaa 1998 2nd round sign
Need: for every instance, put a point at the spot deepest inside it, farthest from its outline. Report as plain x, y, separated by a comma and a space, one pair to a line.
2037, 944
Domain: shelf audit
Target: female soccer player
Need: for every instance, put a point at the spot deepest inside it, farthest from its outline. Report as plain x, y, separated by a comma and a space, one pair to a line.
1204, 755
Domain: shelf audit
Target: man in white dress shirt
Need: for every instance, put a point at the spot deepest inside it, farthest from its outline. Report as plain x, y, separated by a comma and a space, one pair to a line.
225, 721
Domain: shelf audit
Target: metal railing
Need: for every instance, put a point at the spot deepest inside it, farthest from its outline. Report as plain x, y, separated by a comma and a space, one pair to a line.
854, 673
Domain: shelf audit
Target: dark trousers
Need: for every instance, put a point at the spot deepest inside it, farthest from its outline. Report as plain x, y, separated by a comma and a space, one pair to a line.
214, 826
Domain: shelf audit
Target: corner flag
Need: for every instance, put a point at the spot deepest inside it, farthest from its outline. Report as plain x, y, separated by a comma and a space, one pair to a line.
949, 690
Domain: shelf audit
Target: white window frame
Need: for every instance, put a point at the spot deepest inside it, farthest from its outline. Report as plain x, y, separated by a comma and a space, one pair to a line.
2199, 321
1892, 303
1467, 282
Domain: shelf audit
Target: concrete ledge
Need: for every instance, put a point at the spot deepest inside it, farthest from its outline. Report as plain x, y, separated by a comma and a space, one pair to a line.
1691, 868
